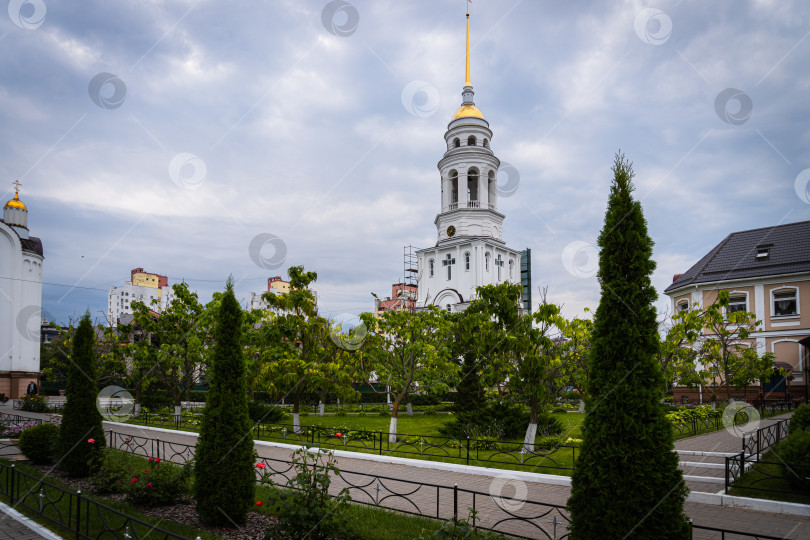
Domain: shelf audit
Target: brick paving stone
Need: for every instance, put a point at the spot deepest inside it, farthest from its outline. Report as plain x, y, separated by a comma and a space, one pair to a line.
17, 529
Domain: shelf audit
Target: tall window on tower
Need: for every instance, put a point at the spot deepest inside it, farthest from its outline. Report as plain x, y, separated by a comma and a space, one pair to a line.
448, 263
472, 188
453, 188
499, 265
466, 260
486, 262
430, 267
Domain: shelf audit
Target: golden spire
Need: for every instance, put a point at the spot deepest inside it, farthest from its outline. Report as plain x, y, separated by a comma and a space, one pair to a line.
467, 80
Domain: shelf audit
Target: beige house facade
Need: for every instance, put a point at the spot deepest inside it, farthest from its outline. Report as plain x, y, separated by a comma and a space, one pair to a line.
767, 272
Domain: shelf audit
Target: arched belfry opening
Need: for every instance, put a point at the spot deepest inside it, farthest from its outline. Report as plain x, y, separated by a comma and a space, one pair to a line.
454, 187
471, 140
472, 187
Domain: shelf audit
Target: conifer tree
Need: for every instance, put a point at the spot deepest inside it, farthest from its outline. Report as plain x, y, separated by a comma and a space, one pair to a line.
224, 473
81, 434
626, 483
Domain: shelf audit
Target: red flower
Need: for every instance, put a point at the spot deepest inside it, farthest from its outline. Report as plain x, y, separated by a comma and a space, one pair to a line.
157, 460
146, 470
134, 480
148, 485
118, 483
260, 465
150, 460
91, 441
338, 435
258, 503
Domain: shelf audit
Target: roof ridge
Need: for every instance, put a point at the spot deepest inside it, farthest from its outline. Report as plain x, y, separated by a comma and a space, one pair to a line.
771, 227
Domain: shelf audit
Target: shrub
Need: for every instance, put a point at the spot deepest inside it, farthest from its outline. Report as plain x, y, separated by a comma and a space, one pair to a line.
794, 455
223, 488
81, 433
384, 413
340, 413
158, 485
424, 399
34, 404
800, 419
308, 506
267, 414
114, 471
40, 443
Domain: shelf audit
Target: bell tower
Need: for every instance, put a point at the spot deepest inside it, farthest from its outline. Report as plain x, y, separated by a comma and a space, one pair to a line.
470, 250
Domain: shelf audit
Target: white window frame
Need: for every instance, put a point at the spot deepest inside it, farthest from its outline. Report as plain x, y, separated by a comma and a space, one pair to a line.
486, 261
738, 293
678, 305
800, 369
466, 261
431, 267
773, 302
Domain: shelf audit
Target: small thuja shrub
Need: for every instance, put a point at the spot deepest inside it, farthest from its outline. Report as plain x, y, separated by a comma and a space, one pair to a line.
800, 419
308, 505
794, 456
40, 443
158, 484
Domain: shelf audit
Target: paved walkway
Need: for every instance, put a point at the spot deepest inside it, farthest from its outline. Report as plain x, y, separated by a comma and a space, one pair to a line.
15, 526
393, 492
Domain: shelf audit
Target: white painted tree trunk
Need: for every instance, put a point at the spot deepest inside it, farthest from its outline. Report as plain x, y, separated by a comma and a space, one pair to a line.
582, 405
392, 430
137, 409
321, 408
296, 423
528, 442
409, 409
177, 412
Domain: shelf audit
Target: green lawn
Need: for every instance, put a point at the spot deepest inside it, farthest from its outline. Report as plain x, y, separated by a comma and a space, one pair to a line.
765, 477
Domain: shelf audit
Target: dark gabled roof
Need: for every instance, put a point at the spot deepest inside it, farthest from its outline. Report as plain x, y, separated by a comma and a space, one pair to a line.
32, 244
788, 252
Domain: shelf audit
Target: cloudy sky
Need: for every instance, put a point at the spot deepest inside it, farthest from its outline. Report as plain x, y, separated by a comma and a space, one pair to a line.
172, 135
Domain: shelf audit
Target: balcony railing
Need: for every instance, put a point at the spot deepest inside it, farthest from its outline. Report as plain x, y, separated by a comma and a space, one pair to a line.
470, 204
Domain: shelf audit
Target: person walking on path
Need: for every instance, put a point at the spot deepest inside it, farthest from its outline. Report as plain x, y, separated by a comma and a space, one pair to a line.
32, 389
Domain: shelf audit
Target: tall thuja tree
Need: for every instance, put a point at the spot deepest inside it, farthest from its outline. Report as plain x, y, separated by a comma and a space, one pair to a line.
224, 474
626, 483
81, 435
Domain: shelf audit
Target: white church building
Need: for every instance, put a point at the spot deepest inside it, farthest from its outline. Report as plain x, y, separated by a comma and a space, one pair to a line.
20, 299
470, 250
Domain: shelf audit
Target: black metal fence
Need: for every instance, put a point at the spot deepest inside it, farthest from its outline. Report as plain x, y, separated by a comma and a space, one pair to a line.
545, 453
755, 443
83, 517
513, 515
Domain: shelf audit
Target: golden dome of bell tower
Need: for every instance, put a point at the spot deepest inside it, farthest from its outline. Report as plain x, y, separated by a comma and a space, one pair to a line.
14, 212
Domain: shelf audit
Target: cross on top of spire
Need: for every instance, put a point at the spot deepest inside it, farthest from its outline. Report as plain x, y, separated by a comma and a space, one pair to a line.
17, 185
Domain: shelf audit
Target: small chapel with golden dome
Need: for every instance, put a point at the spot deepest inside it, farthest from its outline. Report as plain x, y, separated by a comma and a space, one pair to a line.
21, 259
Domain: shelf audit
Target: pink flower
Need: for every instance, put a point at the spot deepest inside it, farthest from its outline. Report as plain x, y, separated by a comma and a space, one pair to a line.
118, 483
91, 441
260, 465
148, 485
134, 480
150, 460
258, 503
146, 470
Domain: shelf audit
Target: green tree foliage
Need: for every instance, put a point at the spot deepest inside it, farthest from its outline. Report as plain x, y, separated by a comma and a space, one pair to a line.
175, 342
224, 475
299, 339
627, 483
81, 437
40, 443
519, 346
410, 349
726, 359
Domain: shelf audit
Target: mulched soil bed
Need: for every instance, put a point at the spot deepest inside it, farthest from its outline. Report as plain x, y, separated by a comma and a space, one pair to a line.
182, 512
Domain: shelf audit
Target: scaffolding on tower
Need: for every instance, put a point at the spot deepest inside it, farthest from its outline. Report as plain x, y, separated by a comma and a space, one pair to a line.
410, 276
